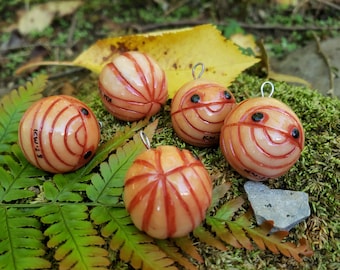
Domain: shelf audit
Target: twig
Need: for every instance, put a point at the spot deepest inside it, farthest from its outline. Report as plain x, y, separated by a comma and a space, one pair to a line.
31, 46
71, 31
176, 6
151, 27
328, 64
330, 4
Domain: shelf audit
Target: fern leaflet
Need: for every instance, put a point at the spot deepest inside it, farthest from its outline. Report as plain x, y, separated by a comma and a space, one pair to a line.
17, 176
76, 241
186, 244
207, 237
106, 148
238, 232
66, 187
107, 187
135, 247
12, 108
176, 254
20, 240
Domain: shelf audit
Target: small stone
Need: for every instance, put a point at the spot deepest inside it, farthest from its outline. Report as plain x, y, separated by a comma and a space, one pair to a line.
285, 208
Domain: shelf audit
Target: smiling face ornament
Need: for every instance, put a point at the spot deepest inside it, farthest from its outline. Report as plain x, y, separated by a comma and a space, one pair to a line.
198, 110
262, 138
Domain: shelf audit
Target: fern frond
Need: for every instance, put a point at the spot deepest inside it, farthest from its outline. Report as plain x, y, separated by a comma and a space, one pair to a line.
17, 176
12, 108
66, 187
175, 253
275, 241
186, 244
107, 187
134, 246
20, 240
207, 237
76, 243
219, 192
240, 231
108, 147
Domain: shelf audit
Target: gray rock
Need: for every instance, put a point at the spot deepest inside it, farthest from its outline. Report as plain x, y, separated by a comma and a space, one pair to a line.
285, 207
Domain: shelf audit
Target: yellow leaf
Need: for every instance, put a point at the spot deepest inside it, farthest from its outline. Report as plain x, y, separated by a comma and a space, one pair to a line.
176, 51
246, 41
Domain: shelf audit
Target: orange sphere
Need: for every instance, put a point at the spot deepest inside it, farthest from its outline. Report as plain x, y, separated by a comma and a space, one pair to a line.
58, 134
167, 192
133, 86
262, 138
198, 110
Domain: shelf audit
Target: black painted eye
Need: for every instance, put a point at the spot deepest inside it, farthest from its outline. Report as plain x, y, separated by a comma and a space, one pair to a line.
227, 95
195, 98
84, 111
87, 154
257, 117
295, 133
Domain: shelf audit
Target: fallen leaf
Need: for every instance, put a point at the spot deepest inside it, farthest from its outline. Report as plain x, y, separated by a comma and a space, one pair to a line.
40, 16
176, 51
271, 74
246, 42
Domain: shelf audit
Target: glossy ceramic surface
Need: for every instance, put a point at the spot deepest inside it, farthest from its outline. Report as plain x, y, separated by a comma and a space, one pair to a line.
262, 138
133, 86
167, 192
198, 110
58, 134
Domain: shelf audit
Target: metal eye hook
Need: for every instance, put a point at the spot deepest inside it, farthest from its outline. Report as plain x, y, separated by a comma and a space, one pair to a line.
194, 69
145, 139
272, 88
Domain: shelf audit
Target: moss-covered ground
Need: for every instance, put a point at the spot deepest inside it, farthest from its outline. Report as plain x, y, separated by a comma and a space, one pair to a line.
317, 172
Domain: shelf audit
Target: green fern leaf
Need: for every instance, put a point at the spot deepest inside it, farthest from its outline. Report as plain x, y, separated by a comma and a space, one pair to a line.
134, 246
108, 147
17, 176
20, 240
12, 108
222, 216
107, 187
64, 188
76, 243
67, 187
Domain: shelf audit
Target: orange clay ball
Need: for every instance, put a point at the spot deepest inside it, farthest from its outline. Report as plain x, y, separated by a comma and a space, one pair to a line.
167, 192
198, 110
58, 134
133, 86
262, 138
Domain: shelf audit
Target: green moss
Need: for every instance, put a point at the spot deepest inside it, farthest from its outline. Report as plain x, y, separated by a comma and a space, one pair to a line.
317, 172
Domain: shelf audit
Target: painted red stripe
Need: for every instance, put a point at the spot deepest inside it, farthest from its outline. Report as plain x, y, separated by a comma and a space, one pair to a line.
125, 81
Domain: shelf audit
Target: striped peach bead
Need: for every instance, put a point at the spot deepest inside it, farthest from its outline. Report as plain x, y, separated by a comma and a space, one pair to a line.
198, 110
167, 192
262, 138
58, 134
133, 86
